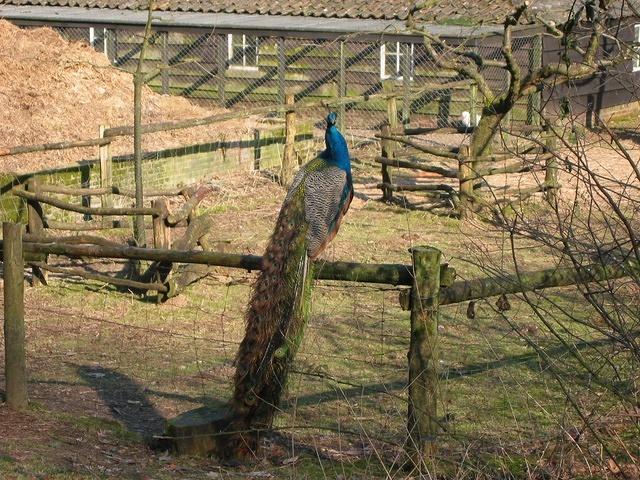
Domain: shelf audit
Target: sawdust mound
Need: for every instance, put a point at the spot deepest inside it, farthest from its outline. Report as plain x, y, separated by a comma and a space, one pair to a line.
52, 90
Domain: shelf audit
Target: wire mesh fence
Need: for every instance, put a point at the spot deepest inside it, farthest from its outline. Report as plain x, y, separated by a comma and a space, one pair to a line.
241, 70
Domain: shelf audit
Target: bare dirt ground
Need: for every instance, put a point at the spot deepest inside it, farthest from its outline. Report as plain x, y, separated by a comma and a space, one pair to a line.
52, 90
107, 367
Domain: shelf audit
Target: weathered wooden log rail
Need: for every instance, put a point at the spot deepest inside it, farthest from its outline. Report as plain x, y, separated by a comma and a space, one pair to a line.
469, 170
163, 221
432, 285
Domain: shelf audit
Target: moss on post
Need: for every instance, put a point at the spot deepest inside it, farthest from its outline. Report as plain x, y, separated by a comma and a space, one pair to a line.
423, 355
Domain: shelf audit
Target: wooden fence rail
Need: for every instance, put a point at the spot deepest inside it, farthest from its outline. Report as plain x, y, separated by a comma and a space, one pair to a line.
469, 170
432, 285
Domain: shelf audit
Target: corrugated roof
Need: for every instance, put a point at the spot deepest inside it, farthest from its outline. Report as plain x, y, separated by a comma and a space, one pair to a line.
463, 12
458, 12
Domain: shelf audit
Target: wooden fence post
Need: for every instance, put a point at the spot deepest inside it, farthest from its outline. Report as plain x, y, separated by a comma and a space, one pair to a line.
534, 102
14, 350
423, 355
551, 166
342, 86
282, 69
405, 68
387, 152
106, 169
473, 104
221, 68
257, 150
164, 72
161, 232
392, 105
288, 159
35, 226
465, 175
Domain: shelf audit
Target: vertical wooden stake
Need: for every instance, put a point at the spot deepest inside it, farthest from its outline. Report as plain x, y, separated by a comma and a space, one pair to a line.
473, 104
282, 70
164, 73
221, 70
392, 106
106, 169
465, 176
387, 152
14, 349
534, 102
406, 82
342, 86
161, 232
110, 38
35, 226
423, 355
288, 159
257, 150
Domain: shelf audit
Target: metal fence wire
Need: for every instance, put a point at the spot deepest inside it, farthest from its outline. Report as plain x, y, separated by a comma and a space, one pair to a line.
241, 70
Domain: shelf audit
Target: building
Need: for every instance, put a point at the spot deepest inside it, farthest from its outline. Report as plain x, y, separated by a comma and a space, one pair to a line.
241, 52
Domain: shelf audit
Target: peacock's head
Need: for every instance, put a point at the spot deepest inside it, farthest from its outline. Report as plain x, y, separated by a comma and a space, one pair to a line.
332, 118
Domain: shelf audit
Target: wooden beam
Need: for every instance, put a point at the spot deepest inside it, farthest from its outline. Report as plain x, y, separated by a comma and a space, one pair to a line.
121, 282
88, 226
392, 274
451, 152
43, 147
463, 291
399, 163
81, 208
417, 188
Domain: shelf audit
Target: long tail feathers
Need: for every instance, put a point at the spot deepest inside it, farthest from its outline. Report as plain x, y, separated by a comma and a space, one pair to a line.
275, 320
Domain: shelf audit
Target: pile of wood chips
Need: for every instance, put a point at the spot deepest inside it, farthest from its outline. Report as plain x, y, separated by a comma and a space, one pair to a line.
53, 90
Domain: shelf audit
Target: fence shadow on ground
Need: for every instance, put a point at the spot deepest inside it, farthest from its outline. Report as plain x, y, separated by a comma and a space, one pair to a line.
126, 399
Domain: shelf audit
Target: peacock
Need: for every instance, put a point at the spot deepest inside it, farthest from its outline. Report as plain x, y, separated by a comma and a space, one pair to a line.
309, 219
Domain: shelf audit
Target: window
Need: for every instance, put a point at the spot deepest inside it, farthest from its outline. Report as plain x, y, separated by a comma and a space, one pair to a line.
243, 51
391, 58
636, 48
98, 39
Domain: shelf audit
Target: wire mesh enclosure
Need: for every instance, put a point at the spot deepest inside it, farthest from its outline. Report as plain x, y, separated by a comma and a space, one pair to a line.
242, 70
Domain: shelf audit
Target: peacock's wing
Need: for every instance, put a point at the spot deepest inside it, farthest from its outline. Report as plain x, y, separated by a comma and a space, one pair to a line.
327, 195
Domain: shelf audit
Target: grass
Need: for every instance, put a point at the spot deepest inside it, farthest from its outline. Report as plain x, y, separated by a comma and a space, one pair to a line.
107, 367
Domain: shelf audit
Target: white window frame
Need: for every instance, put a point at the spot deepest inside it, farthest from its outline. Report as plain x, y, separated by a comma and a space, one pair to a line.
397, 55
636, 48
92, 39
244, 65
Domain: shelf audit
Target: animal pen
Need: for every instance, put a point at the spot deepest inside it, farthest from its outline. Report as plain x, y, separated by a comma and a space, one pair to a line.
431, 283
252, 63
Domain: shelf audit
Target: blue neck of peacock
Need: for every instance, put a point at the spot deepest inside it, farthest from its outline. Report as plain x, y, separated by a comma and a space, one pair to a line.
337, 151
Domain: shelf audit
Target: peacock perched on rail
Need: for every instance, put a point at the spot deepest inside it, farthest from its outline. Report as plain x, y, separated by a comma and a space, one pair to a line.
316, 202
